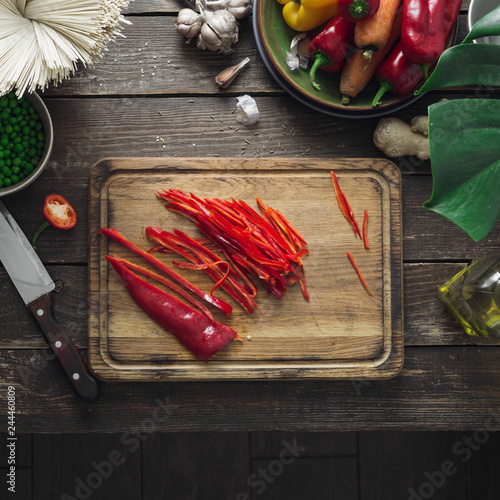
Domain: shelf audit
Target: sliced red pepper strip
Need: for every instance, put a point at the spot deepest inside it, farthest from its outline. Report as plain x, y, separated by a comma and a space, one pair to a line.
201, 256
187, 265
176, 288
119, 238
365, 233
344, 205
358, 272
202, 336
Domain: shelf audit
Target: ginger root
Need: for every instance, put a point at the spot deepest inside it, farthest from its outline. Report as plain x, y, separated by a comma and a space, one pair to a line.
396, 138
420, 124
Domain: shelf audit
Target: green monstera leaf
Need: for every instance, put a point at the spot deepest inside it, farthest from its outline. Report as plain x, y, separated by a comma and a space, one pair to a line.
464, 139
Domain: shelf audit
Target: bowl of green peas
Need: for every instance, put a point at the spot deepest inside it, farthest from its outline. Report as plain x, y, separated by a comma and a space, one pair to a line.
26, 138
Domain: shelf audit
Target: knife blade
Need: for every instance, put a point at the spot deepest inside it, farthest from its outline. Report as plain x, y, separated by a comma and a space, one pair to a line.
35, 285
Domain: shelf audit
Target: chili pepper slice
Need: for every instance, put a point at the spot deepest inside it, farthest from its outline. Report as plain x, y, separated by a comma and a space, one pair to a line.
202, 336
119, 238
358, 272
59, 213
201, 256
365, 232
344, 206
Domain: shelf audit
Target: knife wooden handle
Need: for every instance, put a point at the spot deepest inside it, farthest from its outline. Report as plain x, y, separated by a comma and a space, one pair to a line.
64, 348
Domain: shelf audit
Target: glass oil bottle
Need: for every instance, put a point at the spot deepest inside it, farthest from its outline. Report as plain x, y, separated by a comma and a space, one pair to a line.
473, 297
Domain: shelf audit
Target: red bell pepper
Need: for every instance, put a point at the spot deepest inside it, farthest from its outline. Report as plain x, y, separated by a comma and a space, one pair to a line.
397, 74
58, 212
330, 47
356, 10
119, 238
202, 336
423, 36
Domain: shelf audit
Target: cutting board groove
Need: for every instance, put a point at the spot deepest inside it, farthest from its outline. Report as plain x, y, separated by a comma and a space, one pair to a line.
341, 332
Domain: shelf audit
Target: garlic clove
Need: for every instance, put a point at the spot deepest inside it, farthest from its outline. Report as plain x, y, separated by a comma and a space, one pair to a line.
246, 110
226, 76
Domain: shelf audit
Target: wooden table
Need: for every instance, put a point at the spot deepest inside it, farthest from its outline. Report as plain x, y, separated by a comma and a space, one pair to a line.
150, 85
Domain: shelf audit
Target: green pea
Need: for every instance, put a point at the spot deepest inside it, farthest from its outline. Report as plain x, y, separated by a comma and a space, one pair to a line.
6, 171
7, 182
29, 167
8, 129
14, 178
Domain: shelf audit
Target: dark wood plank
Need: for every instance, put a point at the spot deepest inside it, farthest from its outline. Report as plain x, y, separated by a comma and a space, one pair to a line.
301, 478
482, 463
411, 465
438, 389
317, 444
82, 466
22, 488
212, 466
152, 58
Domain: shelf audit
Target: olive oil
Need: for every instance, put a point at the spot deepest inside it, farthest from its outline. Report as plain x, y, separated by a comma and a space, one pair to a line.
473, 297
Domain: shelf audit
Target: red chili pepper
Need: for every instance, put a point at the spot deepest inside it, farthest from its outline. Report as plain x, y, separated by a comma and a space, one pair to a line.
423, 35
59, 213
356, 10
202, 336
330, 47
397, 74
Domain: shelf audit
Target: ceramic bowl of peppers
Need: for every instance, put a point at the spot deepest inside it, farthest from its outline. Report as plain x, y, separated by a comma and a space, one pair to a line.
26, 137
360, 58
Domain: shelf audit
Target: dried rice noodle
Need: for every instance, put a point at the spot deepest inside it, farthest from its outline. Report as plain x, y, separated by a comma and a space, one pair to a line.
41, 41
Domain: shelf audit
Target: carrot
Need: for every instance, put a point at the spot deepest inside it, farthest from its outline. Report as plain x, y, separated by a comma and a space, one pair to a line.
372, 34
357, 71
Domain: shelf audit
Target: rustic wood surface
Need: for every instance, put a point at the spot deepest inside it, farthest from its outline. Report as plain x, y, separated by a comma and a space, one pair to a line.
333, 335
449, 380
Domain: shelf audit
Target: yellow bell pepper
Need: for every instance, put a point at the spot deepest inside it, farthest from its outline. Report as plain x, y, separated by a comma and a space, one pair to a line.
305, 15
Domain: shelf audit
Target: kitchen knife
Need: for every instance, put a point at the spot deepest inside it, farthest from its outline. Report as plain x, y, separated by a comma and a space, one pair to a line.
35, 286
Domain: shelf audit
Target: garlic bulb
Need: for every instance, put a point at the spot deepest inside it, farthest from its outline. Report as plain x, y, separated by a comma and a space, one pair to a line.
238, 8
219, 32
188, 23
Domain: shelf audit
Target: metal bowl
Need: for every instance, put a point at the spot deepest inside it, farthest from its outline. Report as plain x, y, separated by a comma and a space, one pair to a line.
43, 113
477, 10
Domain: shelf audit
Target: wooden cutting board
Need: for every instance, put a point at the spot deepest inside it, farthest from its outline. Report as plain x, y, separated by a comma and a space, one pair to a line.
340, 333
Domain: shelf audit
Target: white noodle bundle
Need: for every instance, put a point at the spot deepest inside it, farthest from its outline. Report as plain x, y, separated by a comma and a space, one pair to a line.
41, 41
